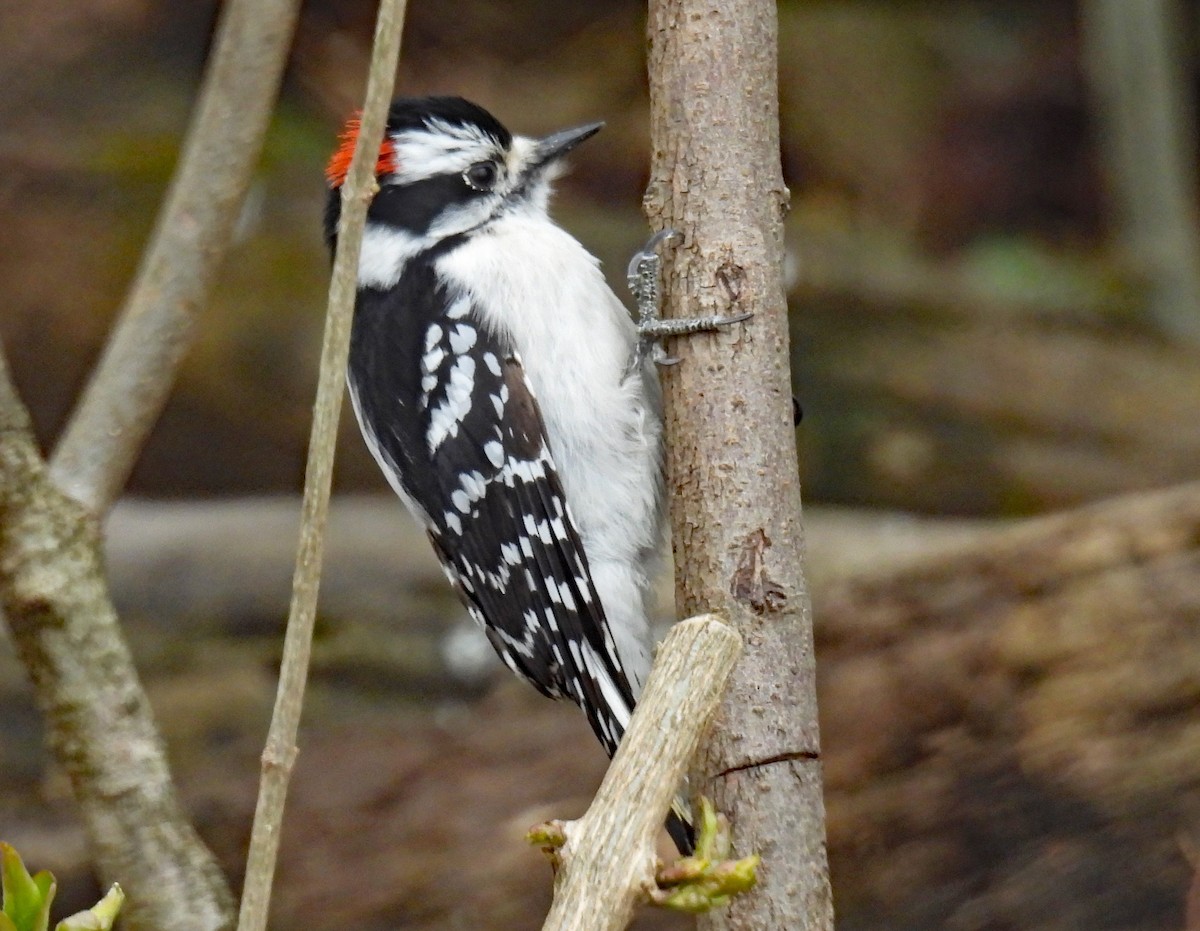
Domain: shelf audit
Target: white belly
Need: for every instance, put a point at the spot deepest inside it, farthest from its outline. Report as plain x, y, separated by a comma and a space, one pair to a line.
545, 293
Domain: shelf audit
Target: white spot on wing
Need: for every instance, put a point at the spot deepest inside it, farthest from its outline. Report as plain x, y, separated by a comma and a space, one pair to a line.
462, 338
473, 484
432, 359
450, 413
433, 336
612, 696
568, 600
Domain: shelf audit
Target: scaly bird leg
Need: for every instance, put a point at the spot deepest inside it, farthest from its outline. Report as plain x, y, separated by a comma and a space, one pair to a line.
652, 328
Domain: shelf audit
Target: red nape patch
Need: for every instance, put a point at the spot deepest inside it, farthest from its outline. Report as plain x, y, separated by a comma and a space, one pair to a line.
339, 164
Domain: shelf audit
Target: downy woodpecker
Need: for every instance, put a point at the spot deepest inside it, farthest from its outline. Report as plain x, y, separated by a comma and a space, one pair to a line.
508, 398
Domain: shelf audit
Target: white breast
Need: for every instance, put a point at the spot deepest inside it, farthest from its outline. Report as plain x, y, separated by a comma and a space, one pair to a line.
539, 288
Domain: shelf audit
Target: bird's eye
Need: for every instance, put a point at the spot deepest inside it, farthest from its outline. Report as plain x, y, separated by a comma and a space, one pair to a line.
480, 176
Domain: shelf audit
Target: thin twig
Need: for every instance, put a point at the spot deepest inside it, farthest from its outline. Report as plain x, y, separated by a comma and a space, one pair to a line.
607, 862
280, 752
131, 383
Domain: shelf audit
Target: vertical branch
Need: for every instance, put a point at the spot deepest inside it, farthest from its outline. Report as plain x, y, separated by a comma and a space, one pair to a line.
731, 461
1135, 53
194, 229
280, 753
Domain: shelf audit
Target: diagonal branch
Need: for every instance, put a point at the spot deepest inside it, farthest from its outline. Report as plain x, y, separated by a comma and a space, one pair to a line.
130, 386
607, 860
280, 753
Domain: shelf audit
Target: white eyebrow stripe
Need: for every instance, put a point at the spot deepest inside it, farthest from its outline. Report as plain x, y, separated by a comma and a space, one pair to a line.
440, 148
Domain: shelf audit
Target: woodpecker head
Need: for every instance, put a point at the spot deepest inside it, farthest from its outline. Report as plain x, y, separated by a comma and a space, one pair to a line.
447, 167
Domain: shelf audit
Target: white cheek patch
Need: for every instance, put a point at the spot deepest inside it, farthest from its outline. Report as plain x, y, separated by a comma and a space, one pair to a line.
455, 220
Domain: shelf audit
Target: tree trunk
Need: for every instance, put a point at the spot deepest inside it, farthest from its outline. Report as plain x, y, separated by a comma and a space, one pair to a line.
55, 600
731, 460
52, 583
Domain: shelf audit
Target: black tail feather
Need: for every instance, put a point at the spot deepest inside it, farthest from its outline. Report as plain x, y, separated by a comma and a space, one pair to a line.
682, 831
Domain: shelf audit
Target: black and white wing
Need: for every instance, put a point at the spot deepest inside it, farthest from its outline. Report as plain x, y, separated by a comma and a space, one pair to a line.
451, 418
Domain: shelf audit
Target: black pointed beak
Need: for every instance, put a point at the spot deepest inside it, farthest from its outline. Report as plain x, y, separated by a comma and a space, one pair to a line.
551, 148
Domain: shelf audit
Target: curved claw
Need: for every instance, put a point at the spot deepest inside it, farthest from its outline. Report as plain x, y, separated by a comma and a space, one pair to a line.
648, 250
666, 234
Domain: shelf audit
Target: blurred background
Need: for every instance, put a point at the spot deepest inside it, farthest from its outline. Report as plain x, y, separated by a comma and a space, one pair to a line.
994, 280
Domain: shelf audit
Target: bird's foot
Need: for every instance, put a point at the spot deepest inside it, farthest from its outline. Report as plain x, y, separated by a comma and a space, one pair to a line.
643, 278
708, 878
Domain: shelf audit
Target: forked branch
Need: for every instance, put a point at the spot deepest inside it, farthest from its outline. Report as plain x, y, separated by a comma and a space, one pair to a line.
157, 325
606, 859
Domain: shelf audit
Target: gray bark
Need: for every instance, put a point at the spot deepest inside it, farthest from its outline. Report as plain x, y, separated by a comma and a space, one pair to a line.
52, 586
157, 326
102, 731
731, 462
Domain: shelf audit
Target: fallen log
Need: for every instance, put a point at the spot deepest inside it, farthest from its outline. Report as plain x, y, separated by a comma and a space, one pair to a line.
1010, 729
1012, 726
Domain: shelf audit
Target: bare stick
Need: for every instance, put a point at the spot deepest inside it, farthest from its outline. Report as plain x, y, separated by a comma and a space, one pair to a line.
157, 325
731, 455
607, 864
280, 753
